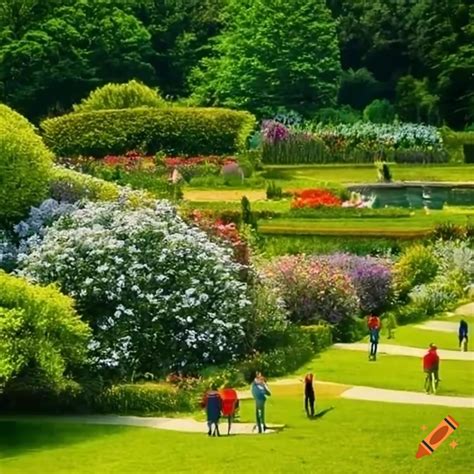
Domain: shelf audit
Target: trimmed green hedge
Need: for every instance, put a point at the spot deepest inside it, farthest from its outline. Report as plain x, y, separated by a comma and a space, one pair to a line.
346, 212
174, 130
25, 164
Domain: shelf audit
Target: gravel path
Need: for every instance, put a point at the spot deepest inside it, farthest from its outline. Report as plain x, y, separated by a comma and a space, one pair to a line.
441, 326
406, 351
399, 396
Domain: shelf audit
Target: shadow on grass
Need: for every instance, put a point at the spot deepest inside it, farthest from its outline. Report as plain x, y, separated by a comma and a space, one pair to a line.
20, 436
319, 415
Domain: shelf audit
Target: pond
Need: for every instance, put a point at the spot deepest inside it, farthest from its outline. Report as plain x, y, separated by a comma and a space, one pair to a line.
417, 194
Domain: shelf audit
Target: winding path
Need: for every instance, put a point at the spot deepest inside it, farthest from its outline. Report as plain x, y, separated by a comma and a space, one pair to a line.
406, 351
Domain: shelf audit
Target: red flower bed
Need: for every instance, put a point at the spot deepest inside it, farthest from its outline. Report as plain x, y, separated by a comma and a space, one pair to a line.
178, 161
132, 160
315, 198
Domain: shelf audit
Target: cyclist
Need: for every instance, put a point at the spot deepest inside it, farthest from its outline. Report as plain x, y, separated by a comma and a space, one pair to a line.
431, 365
463, 330
374, 325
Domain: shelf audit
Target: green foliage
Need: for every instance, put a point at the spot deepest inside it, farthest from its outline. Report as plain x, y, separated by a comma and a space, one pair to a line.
353, 329
71, 186
70, 50
380, 111
332, 115
39, 328
143, 399
274, 191
456, 143
248, 217
297, 148
291, 349
132, 94
258, 61
358, 89
276, 245
330, 212
416, 266
25, 165
175, 130
320, 335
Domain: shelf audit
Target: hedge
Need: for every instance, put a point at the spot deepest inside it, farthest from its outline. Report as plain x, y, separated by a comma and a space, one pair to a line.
71, 186
25, 164
174, 130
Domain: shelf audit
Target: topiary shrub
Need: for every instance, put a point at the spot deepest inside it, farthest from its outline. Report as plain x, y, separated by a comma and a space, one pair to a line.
25, 165
130, 95
380, 111
174, 130
38, 328
158, 293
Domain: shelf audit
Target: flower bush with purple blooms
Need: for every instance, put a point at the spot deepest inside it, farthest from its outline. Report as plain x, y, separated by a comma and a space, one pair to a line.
274, 132
314, 290
371, 277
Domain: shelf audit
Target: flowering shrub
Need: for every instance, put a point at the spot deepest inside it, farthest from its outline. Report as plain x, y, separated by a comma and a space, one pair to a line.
313, 290
226, 232
159, 295
371, 277
351, 143
315, 198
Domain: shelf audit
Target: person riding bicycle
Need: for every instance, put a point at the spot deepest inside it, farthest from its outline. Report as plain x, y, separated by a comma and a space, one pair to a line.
374, 325
431, 363
463, 330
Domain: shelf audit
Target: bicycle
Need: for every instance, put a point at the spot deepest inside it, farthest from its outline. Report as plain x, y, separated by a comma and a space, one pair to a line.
431, 384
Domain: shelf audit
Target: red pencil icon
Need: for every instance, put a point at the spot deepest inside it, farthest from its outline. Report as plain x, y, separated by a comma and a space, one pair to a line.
437, 436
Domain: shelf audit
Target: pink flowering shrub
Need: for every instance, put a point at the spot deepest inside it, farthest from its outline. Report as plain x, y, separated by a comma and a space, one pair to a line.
313, 290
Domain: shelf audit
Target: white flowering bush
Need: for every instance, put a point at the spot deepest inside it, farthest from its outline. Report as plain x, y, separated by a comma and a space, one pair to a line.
158, 293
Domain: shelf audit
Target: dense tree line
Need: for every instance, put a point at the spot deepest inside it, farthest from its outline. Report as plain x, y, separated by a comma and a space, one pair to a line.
303, 55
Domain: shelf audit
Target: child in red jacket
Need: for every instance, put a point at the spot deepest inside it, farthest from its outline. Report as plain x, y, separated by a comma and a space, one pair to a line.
230, 404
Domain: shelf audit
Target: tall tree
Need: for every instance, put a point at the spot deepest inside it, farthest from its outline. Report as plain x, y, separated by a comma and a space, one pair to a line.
71, 51
272, 53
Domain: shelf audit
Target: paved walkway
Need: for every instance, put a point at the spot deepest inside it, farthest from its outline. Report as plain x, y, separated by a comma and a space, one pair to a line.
406, 351
442, 326
400, 396
466, 310
187, 425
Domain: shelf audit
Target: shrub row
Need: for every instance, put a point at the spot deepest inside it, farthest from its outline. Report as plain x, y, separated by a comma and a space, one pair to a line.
345, 212
459, 145
175, 130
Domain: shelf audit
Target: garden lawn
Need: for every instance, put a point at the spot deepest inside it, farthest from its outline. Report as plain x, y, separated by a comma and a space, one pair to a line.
416, 337
392, 372
301, 176
354, 437
413, 226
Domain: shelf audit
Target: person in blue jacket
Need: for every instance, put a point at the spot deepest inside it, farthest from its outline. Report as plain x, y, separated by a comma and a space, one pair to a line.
260, 392
463, 330
212, 402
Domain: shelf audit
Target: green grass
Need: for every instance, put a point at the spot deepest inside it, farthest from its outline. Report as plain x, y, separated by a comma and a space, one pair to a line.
417, 225
355, 437
414, 337
301, 176
392, 372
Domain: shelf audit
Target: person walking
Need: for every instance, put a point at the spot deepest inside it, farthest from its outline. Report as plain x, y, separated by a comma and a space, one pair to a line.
374, 325
230, 404
260, 392
463, 330
431, 367
309, 395
212, 402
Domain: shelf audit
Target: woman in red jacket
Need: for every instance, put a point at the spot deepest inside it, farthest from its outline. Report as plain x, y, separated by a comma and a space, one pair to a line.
230, 404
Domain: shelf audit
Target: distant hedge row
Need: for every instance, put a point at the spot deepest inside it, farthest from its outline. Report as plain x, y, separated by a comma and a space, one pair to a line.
174, 130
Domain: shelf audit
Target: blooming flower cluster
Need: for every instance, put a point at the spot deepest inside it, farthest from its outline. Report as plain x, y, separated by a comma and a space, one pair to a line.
315, 198
371, 277
313, 290
158, 293
274, 132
